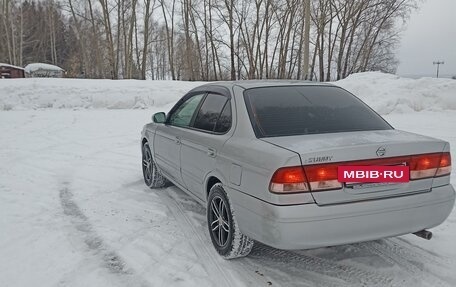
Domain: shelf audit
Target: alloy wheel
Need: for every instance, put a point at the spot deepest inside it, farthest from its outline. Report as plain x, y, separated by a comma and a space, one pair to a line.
147, 164
219, 221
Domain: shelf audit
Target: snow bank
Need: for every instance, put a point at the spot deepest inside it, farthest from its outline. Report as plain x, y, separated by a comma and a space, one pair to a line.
384, 92
39, 93
388, 93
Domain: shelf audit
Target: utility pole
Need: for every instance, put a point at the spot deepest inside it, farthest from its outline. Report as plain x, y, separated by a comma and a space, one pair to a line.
305, 68
438, 63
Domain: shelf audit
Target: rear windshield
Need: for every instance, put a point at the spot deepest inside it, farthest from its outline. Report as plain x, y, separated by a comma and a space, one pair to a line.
301, 110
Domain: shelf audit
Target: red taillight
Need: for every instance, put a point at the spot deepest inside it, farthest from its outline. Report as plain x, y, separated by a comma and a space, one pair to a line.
445, 165
322, 177
424, 165
289, 180
430, 165
304, 179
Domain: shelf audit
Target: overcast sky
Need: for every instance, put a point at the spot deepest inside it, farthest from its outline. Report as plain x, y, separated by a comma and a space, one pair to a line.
430, 35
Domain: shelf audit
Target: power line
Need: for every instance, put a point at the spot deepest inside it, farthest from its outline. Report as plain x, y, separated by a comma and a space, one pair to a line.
438, 63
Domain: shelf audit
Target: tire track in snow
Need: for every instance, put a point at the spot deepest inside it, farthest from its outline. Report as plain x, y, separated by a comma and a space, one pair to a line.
109, 258
331, 270
403, 246
203, 247
200, 249
405, 259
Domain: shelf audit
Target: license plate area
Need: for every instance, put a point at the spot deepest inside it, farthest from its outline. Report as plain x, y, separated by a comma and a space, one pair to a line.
371, 176
363, 185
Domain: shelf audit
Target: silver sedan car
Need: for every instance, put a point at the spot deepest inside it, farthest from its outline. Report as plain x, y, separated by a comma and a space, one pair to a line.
264, 156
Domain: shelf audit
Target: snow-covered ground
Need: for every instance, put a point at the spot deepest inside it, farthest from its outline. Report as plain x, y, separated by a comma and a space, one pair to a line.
74, 210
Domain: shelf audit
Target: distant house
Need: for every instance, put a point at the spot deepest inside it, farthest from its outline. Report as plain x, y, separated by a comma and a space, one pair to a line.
41, 70
8, 71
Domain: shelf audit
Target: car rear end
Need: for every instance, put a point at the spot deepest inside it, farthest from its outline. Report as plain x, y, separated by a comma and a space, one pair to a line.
427, 161
329, 128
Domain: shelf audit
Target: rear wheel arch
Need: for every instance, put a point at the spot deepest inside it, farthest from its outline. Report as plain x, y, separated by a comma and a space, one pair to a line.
211, 181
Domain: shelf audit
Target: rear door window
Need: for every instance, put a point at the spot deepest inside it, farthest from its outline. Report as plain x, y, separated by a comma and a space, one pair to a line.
301, 110
224, 121
210, 113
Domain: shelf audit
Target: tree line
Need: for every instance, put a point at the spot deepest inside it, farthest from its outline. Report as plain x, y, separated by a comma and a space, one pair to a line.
318, 40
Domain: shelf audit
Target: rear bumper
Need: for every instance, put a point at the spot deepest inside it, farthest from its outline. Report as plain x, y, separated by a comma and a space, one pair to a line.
311, 226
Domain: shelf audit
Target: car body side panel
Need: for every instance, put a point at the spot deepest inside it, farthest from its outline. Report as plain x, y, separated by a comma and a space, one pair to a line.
149, 133
258, 167
256, 159
166, 151
199, 152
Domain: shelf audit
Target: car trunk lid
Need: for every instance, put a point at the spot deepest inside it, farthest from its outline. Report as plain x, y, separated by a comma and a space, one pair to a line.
357, 146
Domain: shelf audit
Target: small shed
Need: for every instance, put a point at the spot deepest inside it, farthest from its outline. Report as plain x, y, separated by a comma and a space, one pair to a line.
42, 70
8, 71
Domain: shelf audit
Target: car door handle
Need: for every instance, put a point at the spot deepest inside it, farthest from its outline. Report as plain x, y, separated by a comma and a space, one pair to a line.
177, 140
211, 152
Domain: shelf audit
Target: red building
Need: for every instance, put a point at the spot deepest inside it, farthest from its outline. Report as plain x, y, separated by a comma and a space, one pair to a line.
8, 71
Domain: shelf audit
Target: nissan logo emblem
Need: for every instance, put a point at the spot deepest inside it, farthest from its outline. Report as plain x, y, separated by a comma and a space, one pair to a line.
381, 151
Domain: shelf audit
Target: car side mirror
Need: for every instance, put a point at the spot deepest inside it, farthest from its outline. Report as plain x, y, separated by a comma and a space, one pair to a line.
159, 118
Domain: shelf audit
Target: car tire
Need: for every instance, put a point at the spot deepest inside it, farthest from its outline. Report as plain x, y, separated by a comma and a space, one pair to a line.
152, 176
224, 231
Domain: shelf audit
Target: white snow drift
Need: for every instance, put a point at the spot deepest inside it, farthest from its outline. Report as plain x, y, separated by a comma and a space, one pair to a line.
39, 93
384, 92
388, 93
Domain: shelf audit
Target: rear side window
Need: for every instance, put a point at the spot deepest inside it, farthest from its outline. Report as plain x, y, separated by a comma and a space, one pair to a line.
301, 110
210, 113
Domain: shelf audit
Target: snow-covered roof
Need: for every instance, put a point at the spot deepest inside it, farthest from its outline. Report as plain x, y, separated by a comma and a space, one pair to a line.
41, 66
10, 66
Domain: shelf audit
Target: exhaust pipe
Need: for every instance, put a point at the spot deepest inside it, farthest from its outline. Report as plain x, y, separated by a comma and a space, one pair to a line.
424, 234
